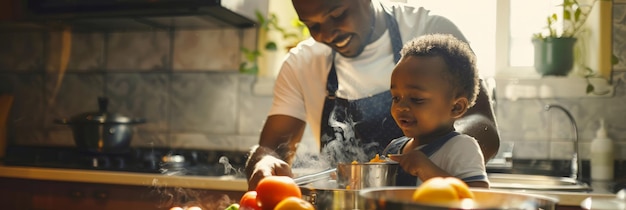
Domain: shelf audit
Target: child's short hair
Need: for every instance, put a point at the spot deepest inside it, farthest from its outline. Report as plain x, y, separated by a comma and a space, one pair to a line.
457, 55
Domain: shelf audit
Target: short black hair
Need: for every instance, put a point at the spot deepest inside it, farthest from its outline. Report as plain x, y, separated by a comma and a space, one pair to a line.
457, 55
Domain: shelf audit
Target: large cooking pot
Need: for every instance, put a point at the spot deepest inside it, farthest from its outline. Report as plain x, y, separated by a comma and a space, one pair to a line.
365, 175
399, 198
338, 188
101, 131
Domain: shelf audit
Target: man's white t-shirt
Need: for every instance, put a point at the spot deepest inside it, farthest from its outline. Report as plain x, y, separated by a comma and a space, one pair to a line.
300, 87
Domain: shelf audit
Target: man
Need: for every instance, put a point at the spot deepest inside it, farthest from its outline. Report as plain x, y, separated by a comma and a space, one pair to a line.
338, 83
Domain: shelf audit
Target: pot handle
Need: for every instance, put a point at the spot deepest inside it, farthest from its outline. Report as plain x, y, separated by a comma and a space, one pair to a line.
103, 102
137, 120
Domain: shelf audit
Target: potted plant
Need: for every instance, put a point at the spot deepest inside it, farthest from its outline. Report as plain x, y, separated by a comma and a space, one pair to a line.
290, 35
554, 49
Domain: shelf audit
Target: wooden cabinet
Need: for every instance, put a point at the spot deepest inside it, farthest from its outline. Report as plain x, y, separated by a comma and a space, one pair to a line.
51, 195
11, 10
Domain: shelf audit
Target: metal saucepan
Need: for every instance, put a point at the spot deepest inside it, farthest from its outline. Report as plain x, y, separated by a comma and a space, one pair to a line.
340, 190
102, 132
401, 198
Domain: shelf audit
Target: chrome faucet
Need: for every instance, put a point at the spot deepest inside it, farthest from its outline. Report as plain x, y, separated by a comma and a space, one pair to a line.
576, 162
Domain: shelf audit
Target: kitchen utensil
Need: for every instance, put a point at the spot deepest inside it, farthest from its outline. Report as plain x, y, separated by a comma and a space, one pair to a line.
102, 132
323, 175
401, 198
364, 175
343, 193
324, 194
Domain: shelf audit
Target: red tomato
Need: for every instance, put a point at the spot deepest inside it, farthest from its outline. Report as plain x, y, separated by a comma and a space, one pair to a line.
273, 189
248, 201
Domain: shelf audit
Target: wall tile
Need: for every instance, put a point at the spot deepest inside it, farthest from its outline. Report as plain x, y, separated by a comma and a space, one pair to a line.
204, 102
27, 110
75, 94
213, 142
28, 136
21, 51
138, 51
531, 150
149, 138
252, 109
142, 96
86, 52
207, 50
25, 121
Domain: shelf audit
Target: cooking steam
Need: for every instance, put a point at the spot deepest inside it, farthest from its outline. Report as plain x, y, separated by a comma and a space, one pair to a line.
185, 198
344, 146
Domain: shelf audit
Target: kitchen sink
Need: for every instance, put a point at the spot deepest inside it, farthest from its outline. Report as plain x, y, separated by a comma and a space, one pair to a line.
536, 182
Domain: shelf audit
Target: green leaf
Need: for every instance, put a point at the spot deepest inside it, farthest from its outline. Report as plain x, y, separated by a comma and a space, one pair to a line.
554, 17
566, 15
259, 17
614, 60
233, 206
577, 15
271, 46
589, 88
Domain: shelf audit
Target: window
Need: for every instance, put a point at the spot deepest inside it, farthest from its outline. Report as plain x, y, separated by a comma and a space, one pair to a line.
499, 31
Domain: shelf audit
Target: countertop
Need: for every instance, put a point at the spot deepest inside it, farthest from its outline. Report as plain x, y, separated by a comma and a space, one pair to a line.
228, 183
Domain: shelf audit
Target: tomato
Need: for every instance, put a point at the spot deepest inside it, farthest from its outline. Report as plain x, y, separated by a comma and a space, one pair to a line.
273, 189
248, 201
294, 203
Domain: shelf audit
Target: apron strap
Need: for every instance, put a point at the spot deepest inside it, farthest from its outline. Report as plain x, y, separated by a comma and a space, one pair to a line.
431, 148
406, 179
396, 44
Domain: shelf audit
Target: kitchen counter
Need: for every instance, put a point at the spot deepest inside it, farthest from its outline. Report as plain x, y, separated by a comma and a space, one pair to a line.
229, 183
218, 183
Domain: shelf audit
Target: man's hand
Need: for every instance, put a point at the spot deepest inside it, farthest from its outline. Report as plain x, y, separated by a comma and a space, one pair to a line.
267, 165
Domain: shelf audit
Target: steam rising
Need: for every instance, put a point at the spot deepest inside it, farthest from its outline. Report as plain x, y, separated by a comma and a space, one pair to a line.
185, 198
344, 146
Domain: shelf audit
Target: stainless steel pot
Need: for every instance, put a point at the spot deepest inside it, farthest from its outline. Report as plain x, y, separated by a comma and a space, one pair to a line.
401, 198
102, 132
365, 175
325, 192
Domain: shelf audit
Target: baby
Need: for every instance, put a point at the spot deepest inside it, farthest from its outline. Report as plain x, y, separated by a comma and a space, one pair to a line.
434, 83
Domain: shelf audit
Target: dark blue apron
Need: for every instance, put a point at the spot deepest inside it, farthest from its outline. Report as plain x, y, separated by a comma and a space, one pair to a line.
358, 129
404, 178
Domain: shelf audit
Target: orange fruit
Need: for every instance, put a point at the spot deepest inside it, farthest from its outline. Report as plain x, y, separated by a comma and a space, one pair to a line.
294, 203
461, 187
273, 189
436, 191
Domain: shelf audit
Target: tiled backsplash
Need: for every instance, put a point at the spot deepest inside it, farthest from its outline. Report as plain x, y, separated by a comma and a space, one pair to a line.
185, 83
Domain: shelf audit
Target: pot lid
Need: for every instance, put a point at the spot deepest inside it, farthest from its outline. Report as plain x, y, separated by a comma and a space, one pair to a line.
103, 116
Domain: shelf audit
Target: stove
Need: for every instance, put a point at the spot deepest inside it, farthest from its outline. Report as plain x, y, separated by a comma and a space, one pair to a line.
141, 160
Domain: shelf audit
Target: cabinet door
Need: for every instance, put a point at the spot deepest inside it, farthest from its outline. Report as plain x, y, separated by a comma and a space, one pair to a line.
72, 195
53, 195
14, 194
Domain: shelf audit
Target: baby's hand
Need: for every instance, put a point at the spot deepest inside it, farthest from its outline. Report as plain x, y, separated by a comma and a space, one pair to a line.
410, 161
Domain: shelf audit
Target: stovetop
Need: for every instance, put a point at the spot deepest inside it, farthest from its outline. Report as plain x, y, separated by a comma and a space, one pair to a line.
141, 160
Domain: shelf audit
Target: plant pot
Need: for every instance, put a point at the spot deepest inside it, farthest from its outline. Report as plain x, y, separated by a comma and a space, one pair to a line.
554, 56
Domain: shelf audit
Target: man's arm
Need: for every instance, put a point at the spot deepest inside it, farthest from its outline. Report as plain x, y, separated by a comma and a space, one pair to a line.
479, 122
276, 149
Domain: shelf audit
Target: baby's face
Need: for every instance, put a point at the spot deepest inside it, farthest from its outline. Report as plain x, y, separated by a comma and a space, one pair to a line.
422, 99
